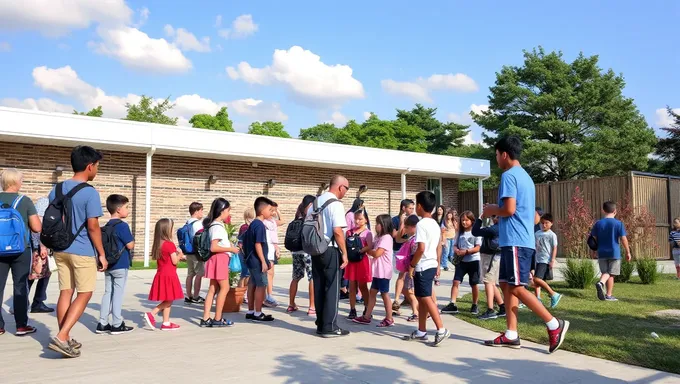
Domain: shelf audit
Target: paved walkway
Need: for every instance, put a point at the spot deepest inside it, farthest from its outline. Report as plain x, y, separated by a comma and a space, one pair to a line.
286, 351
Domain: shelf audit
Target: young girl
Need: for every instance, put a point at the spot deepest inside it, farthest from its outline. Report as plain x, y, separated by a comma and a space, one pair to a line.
407, 250
166, 286
674, 238
438, 216
359, 273
248, 217
449, 230
381, 265
217, 266
272, 224
302, 262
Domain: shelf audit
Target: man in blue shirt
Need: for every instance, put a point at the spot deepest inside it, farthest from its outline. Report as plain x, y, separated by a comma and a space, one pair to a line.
516, 212
608, 231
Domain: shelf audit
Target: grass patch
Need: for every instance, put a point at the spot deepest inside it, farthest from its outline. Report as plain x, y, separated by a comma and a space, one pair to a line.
618, 331
139, 264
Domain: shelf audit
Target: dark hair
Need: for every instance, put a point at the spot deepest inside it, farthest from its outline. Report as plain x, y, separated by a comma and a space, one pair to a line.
261, 203
547, 217
511, 145
216, 208
609, 207
405, 203
539, 210
113, 202
355, 205
411, 221
467, 214
273, 204
195, 207
427, 200
363, 213
301, 212
82, 156
385, 222
436, 216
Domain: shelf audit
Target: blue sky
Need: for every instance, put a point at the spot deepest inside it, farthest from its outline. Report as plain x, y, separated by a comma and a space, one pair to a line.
354, 57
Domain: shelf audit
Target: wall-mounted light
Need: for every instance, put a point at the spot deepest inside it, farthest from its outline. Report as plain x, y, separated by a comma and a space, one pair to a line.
58, 170
362, 188
212, 179
323, 186
271, 183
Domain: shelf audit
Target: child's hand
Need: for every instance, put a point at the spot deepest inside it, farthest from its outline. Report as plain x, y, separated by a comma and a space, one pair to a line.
552, 263
411, 271
628, 256
277, 253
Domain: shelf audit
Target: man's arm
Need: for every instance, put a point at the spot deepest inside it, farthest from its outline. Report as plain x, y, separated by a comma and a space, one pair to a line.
508, 209
339, 236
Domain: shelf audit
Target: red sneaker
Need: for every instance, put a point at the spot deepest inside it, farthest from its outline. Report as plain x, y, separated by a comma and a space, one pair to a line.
150, 320
556, 337
171, 327
362, 320
22, 331
502, 341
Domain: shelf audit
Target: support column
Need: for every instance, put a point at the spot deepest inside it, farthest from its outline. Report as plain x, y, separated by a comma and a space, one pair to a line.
147, 206
480, 191
403, 183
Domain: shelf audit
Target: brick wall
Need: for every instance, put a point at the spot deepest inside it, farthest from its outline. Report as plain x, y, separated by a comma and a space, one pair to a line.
178, 181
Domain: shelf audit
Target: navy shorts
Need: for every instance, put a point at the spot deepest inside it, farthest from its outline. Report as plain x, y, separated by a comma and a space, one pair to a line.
470, 268
381, 285
515, 265
422, 282
245, 272
257, 277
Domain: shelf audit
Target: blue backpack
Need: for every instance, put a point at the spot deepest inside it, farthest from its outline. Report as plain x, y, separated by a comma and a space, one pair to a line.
186, 242
12, 230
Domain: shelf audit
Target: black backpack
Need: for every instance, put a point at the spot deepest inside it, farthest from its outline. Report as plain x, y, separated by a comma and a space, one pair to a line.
293, 239
592, 243
354, 245
202, 243
57, 226
110, 242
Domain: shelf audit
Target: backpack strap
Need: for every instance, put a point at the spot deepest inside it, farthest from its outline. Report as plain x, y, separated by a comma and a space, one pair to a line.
60, 195
16, 202
75, 189
326, 204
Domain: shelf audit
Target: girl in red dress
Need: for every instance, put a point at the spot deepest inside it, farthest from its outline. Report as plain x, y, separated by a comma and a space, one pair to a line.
166, 286
359, 273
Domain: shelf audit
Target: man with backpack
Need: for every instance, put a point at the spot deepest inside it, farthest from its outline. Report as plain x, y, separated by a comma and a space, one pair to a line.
71, 229
185, 236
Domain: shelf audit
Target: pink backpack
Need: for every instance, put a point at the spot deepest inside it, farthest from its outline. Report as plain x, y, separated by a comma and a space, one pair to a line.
403, 257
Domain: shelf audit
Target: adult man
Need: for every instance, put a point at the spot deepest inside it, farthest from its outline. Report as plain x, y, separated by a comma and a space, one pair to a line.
326, 267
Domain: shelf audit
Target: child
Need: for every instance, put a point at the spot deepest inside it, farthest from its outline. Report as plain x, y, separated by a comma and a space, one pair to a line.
410, 247
255, 249
674, 238
359, 273
217, 266
608, 232
546, 253
116, 275
195, 267
425, 266
407, 207
248, 217
490, 254
381, 267
273, 253
466, 249
166, 286
449, 231
302, 263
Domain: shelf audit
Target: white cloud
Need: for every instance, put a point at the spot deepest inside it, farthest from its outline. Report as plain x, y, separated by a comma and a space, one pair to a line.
135, 49
421, 88
56, 18
186, 40
42, 104
663, 120
243, 26
478, 109
304, 76
5, 46
465, 118
143, 17
468, 140
338, 119
367, 115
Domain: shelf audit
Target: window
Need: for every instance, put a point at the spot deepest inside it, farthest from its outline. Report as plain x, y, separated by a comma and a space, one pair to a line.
435, 186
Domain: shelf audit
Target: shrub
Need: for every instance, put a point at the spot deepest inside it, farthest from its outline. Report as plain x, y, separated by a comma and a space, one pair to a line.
577, 226
647, 271
627, 269
579, 273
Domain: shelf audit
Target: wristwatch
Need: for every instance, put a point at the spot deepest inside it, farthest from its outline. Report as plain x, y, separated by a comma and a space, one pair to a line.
412, 266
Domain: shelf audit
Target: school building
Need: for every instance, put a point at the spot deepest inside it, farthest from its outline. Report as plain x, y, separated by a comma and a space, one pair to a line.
162, 169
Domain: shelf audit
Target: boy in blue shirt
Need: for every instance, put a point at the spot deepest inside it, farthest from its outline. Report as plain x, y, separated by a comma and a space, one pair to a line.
117, 273
255, 250
516, 212
608, 231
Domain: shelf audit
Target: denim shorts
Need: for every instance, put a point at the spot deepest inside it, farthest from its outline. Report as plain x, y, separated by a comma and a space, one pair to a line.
258, 278
381, 285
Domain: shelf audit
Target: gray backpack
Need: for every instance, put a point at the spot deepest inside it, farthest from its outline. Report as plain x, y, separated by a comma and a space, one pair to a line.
314, 242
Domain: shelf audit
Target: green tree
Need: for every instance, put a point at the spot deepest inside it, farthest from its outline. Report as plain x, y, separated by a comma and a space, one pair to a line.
440, 136
146, 111
268, 128
325, 132
94, 112
219, 122
572, 117
668, 148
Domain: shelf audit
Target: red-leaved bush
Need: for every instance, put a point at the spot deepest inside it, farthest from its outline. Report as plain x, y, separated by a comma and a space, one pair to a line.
577, 226
640, 226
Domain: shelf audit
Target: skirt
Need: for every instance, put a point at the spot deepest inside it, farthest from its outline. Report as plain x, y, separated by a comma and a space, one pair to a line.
359, 271
166, 287
217, 267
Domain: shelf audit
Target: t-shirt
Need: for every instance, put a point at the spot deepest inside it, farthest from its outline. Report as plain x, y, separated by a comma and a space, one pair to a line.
349, 218
86, 205
608, 231
272, 238
124, 237
518, 229
196, 225
396, 221
333, 216
428, 232
256, 233
674, 238
546, 241
40, 206
25, 209
382, 266
218, 232
466, 241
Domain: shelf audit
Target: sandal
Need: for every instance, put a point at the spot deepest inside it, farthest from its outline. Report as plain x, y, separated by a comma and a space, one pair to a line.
412, 318
292, 308
311, 312
386, 323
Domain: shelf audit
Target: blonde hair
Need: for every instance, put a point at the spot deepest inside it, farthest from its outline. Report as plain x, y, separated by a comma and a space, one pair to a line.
10, 177
249, 215
162, 233
676, 223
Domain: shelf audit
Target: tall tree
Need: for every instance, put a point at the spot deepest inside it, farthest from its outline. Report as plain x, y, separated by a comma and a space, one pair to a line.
94, 112
325, 132
573, 118
440, 136
668, 148
268, 128
147, 112
219, 122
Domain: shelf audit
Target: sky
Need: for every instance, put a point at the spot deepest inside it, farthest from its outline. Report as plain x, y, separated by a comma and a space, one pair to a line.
308, 62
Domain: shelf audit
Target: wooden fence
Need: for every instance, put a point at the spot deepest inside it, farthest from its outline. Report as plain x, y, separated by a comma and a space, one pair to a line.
659, 193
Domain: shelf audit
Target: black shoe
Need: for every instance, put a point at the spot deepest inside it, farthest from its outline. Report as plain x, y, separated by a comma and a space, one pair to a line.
199, 300
121, 329
102, 328
475, 309
501, 310
352, 314
41, 308
209, 323
250, 316
337, 333
599, 287
262, 318
490, 314
344, 295
188, 300
450, 308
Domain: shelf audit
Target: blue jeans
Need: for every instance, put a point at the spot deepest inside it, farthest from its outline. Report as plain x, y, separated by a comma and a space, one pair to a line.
112, 302
447, 252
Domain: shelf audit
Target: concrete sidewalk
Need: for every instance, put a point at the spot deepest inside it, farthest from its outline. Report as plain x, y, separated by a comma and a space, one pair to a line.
286, 351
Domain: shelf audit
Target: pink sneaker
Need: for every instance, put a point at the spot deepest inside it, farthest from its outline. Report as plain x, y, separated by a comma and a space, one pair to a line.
150, 320
171, 327
362, 320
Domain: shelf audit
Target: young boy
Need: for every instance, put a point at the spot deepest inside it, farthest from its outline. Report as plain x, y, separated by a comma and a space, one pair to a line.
608, 232
491, 258
546, 253
410, 231
516, 210
425, 266
116, 275
255, 249
194, 265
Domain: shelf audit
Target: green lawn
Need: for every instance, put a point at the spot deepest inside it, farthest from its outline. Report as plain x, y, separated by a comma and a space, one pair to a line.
618, 331
139, 264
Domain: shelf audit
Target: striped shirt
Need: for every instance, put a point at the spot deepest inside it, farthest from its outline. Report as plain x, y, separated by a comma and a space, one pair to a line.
674, 238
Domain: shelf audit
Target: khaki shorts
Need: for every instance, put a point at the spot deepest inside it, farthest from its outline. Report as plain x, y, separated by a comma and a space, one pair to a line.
490, 266
76, 272
195, 267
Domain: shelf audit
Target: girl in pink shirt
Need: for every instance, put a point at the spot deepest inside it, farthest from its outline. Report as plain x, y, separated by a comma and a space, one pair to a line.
381, 266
